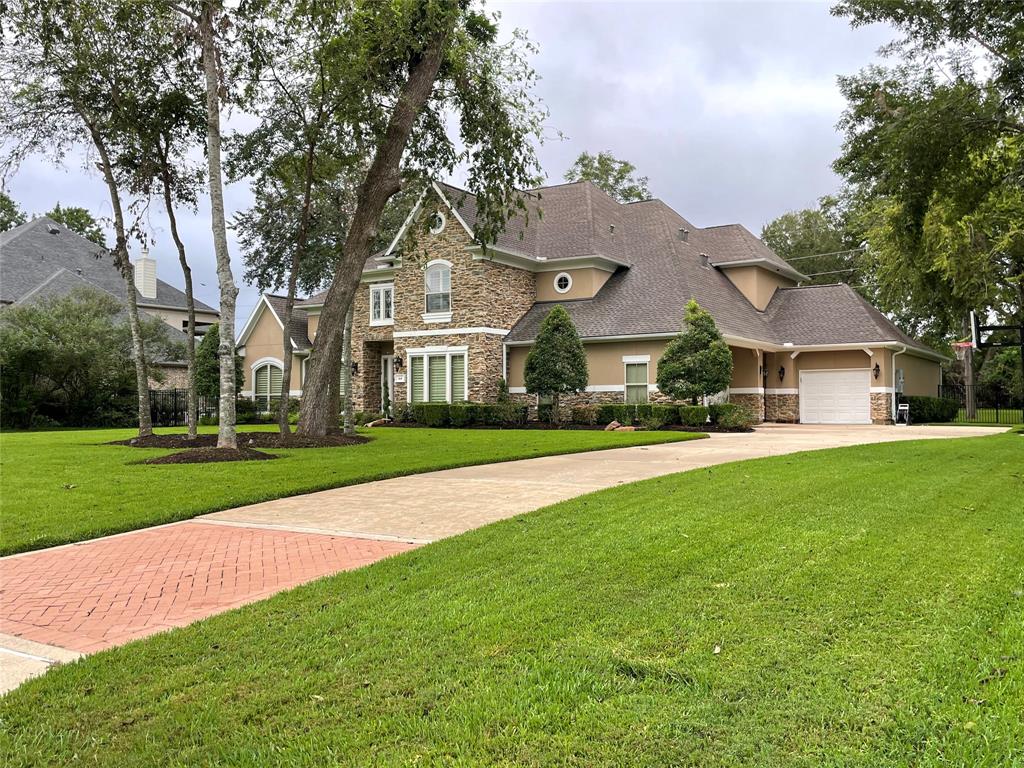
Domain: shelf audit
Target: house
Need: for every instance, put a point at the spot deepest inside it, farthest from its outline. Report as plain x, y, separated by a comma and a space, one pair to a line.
440, 318
43, 258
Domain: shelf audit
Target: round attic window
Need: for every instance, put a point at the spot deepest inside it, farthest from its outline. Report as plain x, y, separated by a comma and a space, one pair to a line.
437, 222
563, 282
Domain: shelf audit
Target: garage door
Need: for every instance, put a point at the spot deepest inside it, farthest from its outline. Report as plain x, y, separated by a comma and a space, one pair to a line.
835, 397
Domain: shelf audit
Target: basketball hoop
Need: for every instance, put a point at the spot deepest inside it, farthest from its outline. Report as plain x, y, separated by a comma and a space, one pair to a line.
961, 347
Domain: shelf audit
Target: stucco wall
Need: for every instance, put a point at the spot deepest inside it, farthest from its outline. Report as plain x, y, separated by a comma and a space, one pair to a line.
756, 284
920, 376
265, 341
176, 318
586, 283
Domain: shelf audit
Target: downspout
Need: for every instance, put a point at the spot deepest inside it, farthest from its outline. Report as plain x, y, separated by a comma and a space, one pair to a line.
895, 396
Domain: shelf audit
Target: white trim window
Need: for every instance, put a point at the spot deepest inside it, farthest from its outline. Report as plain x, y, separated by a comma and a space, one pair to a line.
437, 281
382, 304
266, 381
636, 382
563, 282
438, 375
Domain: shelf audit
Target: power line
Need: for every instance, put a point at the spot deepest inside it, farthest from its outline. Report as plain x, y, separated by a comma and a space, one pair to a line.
831, 253
832, 272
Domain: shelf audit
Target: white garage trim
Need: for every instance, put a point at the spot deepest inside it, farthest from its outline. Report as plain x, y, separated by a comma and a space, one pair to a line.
835, 396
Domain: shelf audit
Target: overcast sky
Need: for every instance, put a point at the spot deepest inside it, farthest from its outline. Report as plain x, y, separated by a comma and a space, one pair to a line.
729, 108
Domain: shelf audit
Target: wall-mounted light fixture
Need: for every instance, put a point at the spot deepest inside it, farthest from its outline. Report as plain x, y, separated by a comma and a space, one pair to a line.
782, 372
876, 371
398, 363
355, 368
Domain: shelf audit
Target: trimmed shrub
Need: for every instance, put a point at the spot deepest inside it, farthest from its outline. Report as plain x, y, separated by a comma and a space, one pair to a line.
431, 414
924, 409
585, 414
501, 414
545, 412
738, 418
718, 411
693, 415
656, 417
402, 413
461, 414
669, 414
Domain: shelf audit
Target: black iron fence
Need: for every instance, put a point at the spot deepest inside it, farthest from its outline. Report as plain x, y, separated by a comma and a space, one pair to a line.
169, 407
981, 404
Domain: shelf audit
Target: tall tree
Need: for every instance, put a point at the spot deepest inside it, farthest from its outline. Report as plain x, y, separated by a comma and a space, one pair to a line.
303, 162
431, 63
697, 363
79, 220
557, 362
208, 24
933, 156
63, 85
818, 244
10, 214
616, 177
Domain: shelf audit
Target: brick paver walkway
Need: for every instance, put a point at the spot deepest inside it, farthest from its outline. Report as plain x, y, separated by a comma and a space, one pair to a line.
106, 592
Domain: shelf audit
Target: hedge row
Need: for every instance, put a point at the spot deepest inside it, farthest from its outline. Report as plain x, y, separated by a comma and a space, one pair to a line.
504, 414
924, 409
652, 416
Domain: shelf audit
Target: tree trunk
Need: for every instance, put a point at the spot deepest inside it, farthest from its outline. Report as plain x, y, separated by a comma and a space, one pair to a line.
192, 407
970, 399
346, 372
381, 182
226, 437
293, 279
124, 266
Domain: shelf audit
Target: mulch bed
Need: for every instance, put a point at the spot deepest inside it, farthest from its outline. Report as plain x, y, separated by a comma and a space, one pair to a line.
246, 440
210, 455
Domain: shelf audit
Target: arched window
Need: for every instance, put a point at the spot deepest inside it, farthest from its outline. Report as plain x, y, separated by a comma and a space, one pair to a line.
266, 380
439, 286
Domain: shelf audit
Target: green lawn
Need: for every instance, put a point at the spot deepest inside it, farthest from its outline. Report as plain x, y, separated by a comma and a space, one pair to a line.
853, 607
64, 486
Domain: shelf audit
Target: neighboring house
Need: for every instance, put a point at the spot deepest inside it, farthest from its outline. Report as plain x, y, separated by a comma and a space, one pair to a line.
43, 258
444, 319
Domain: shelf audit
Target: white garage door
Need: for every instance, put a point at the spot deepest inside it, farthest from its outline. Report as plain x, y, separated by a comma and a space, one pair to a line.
835, 397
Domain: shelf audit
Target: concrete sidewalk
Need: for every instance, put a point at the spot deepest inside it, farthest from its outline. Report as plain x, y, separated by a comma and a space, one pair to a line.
58, 603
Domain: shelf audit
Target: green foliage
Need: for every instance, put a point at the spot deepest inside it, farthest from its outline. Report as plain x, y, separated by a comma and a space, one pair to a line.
624, 413
67, 360
1001, 371
719, 411
431, 414
10, 214
822, 233
557, 363
693, 415
659, 416
616, 177
208, 365
926, 410
735, 418
934, 164
585, 414
79, 220
697, 362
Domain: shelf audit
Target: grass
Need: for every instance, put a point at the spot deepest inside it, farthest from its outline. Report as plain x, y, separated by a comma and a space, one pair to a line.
65, 486
990, 416
853, 607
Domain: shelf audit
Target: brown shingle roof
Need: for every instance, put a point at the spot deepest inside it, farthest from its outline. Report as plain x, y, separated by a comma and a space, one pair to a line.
300, 320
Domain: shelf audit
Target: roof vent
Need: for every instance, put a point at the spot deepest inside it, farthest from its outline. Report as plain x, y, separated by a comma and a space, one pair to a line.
53, 230
611, 228
704, 262
684, 234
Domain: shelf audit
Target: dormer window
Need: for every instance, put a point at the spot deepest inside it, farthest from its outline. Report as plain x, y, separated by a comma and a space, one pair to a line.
438, 286
382, 304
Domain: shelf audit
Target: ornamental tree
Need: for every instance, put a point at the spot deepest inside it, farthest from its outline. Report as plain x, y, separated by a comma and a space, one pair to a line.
556, 364
697, 363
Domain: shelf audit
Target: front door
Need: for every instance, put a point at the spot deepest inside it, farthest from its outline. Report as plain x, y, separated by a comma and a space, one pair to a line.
387, 383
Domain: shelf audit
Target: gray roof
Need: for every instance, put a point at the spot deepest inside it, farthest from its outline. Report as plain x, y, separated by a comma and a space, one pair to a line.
299, 324
35, 252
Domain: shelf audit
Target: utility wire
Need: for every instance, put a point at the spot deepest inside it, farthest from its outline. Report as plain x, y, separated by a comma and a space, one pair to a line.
831, 253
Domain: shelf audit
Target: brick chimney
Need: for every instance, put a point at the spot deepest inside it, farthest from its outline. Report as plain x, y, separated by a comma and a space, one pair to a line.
145, 275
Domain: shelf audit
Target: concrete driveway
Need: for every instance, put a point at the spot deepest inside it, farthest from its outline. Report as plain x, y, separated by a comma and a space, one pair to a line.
423, 508
59, 603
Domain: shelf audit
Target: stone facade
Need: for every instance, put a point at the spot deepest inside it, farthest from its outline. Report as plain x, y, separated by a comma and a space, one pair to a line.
754, 403
783, 408
484, 295
881, 404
